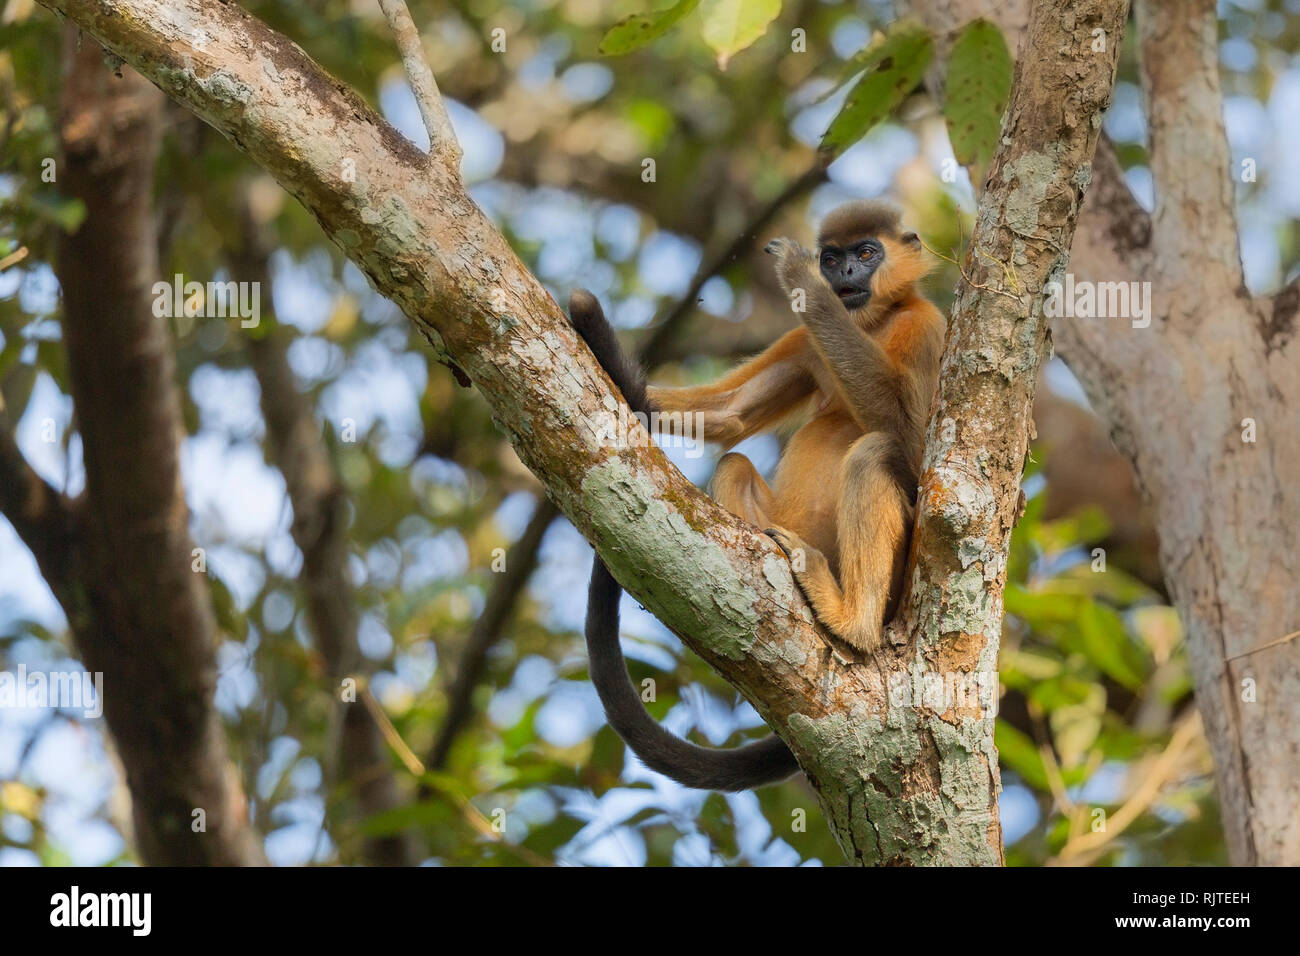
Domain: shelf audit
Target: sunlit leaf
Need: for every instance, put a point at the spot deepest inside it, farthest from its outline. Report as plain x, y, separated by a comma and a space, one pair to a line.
895, 66
732, 25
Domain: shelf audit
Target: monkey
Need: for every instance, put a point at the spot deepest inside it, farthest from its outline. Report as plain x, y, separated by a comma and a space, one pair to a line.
863, 366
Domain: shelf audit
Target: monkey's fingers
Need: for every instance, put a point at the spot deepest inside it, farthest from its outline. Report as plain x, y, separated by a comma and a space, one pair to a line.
781, 245
782, 540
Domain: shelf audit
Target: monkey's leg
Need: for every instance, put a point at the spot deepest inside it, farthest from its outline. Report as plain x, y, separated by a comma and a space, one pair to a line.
739, 488
874, 515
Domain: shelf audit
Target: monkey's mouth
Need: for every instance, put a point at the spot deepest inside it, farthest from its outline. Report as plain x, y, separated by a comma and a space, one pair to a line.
852, 298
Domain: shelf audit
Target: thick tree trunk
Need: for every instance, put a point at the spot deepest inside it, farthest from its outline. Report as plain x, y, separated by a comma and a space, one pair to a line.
1203, 402
900, 782
142, 616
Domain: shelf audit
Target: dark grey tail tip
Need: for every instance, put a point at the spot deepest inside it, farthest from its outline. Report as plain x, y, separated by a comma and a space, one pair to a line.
580, 300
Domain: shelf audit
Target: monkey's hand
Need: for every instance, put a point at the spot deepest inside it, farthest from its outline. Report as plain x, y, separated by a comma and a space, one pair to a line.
796, 267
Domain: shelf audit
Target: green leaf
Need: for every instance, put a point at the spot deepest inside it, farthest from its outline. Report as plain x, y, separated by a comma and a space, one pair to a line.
1083, 527
640, 29
434, 812
1040, 607
65, 213
977, 90
1105, 642
1017, 753
732, 25
895, 66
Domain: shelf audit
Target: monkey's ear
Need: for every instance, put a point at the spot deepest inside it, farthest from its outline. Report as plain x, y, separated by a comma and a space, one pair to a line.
911, 238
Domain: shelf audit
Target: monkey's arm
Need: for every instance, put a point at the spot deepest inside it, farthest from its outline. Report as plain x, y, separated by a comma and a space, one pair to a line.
887, 387
750, 397
889, 383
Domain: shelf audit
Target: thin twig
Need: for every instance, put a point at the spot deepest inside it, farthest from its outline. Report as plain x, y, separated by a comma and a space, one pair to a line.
470, 813
971, 282
1092, 843
666, 329
1263, 647
15, 257
442, 138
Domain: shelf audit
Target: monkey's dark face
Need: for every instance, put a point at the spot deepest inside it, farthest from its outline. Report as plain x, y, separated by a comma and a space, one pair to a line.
849, 269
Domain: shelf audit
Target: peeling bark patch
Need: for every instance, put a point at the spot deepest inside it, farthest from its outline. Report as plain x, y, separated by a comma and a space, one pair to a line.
777, 572
1032, 173
966, 604
794, 653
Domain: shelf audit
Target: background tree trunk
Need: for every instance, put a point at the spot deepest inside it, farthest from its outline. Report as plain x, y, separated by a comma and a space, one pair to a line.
140, 613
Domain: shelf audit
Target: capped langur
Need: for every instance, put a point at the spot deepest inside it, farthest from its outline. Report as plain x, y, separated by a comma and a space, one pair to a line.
863, 368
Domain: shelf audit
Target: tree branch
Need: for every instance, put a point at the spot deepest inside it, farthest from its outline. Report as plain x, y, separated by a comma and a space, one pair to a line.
40, 515
443, 144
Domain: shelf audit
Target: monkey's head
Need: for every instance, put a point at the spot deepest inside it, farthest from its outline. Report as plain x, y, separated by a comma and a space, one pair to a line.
864, 254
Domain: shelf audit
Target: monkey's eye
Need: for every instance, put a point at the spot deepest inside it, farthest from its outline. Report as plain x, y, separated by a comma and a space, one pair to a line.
866, 253
828, 262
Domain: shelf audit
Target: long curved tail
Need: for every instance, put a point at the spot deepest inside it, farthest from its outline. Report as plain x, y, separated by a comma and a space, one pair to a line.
740, 768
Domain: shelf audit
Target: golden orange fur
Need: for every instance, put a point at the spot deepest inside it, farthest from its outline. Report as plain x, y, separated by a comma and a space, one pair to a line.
842, 498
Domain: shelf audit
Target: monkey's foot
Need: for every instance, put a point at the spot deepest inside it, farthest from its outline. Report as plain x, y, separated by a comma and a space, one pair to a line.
812, 573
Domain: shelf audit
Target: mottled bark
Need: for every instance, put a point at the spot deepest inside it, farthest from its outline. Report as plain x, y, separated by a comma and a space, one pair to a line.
900, 784
1177, 396
143, 617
